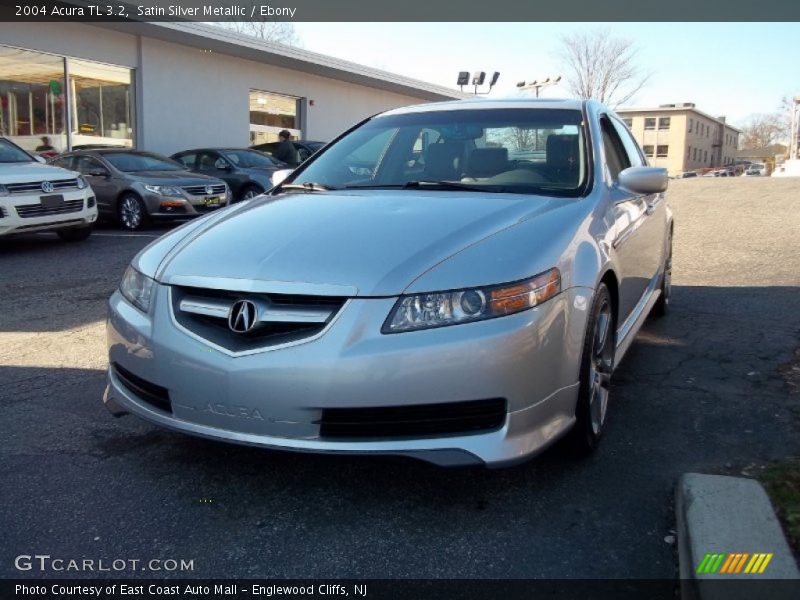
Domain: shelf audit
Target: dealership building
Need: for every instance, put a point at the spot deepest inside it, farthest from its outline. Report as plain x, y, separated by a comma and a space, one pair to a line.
166, 87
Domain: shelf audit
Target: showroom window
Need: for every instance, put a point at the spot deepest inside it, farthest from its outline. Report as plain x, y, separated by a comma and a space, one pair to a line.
94, 107
270, 113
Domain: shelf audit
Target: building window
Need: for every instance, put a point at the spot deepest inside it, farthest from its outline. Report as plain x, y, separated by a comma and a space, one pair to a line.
705, 155
101, 105
694, 154
270, 113
628, 122
648, 151
650, 123
95, 106
663, 122
688, 152
691, 125
662, 151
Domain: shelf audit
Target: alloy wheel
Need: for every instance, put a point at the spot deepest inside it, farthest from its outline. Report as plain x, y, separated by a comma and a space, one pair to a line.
600, 367
130, 212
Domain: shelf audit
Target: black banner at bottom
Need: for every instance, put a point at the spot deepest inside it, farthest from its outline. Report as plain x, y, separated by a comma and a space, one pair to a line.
410, 589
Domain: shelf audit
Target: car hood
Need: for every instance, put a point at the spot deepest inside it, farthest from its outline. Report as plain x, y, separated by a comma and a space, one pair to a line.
171, 177
340, 243
31, 171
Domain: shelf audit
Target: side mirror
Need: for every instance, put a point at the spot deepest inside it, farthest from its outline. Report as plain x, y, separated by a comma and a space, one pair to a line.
40, 159
644, 180
279, 176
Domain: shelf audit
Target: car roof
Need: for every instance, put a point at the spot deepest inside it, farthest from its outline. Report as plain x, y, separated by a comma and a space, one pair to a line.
489, 104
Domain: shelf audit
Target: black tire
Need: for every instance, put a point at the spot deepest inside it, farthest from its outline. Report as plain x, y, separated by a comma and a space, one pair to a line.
597, 365
661, 307
250, 191
75, 234
131, 212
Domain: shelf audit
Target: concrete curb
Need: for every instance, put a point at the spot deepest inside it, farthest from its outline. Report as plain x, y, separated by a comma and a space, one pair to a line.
719, 514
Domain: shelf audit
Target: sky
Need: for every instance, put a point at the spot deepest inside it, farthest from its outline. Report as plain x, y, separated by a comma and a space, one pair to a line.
731, 69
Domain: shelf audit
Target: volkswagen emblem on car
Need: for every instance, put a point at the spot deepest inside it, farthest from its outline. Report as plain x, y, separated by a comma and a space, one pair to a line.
47, 187
209, 190
242, 316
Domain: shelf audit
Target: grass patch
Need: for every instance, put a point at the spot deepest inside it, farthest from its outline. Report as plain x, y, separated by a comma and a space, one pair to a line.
782, 482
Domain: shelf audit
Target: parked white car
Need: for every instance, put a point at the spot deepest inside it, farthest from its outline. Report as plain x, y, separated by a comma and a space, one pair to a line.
37, 197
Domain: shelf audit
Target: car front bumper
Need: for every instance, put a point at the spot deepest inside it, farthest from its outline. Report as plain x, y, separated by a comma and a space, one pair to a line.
12, 221
274, 398
167, 208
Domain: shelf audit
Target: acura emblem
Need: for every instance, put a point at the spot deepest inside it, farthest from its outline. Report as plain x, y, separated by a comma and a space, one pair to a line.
242, 316
209, 190
47, 187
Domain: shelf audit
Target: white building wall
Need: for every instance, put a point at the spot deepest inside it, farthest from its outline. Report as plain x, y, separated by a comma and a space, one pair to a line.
194, 98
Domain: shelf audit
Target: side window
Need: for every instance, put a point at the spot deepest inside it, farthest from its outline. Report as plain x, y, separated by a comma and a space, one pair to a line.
616, 157
631, 147
207, 161
188, 160
87, 164
64, 162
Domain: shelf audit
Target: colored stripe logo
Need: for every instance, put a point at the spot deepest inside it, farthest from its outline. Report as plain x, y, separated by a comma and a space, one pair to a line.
734, 563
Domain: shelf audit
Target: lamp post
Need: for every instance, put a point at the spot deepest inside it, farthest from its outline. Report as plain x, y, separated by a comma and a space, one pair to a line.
478, 78
537, 84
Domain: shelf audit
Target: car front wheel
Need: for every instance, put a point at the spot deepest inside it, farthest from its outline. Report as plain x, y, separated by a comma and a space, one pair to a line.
131, 212
597, 364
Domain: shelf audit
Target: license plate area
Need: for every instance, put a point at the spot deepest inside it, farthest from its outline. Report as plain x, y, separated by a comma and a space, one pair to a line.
215, 201
52, 201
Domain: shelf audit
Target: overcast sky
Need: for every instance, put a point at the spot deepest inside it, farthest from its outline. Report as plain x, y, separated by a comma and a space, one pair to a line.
731, 69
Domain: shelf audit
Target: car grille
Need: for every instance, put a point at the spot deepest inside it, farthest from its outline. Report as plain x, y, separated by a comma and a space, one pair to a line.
150, 393
50, 224
281, 318
2, 212
413, 421
200, 190
27, 211
36, 186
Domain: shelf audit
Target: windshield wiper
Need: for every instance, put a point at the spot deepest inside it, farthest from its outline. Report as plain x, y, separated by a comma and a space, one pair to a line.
448, 185
308, 186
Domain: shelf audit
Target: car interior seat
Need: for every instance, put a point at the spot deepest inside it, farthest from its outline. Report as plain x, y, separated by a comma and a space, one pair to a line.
444, 161
563, 159
487, 162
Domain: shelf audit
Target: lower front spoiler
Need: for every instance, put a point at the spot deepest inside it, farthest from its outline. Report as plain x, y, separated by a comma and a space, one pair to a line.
526, 433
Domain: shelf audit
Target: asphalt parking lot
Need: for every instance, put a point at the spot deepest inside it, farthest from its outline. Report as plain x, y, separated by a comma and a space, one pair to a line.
699, 391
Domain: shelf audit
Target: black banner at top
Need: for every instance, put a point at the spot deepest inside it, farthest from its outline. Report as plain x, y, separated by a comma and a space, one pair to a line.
399, 10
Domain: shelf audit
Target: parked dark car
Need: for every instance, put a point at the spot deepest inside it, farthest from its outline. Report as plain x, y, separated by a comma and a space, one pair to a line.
247, 172
135, 187
305, 148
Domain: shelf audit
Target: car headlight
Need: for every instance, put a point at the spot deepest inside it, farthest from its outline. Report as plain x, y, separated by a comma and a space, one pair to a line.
3, 190
439, 309
137, 288
82, 184
165, 190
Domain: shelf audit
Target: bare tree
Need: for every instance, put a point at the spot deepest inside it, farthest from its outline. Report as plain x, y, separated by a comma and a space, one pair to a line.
763, 130
270, 31
597, 65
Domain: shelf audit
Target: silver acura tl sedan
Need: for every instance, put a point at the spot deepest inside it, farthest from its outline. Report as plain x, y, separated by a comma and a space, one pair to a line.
454, 282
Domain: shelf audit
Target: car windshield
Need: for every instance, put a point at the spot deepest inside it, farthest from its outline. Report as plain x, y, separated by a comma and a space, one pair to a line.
139, 161
250, 158
514, 150
9, 153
